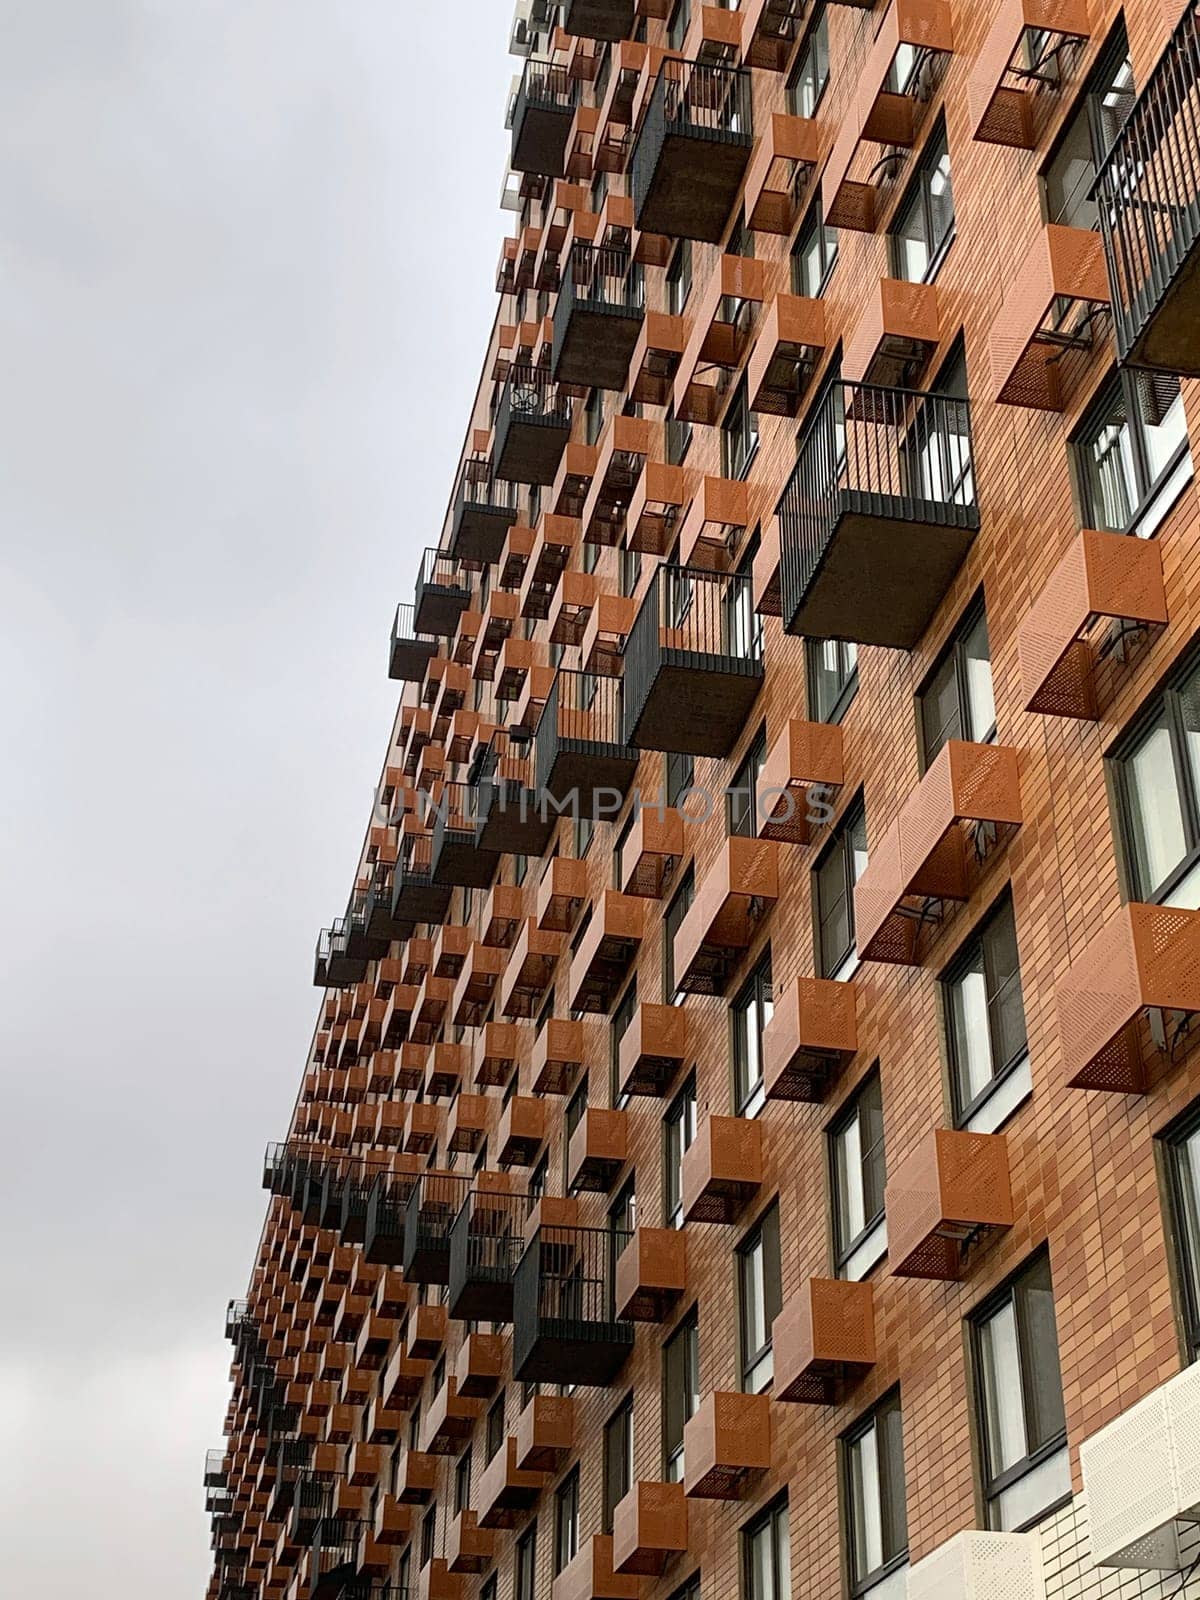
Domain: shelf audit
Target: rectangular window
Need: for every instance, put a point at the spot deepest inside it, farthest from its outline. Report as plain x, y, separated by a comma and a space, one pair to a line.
924, 227
495, 1427
985, 1026
1182, 1146
814, 256
760, 1297
681, 1392
679, 1129
679, 278
1131, 453
428, 1535
1023, 1434
749, 1015
593, 422
739, 435
807, 80
876, 1515
957, 702
1157, 784
676, 911
618, 1460
766, 1556
836, 873
832, 670
740, 802
678, 438
681, 775
678, 26
566, 1521
462, 1482
1071, 173
525, 1575
858, 1171
622, 1017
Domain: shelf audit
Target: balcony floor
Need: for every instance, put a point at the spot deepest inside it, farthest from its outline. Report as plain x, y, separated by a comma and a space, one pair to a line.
694, 184
595, 345
718, 701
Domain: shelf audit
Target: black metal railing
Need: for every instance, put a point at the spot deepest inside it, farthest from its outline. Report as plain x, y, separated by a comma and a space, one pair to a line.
580, 734
563, 1313
531, 398
545, 86
237, 1320
334, 1554
214, 1470
602, 276
433, 1204
409, 650
486, 1242
1148, 193
873, 451
275, 1168
485, 492
699, 98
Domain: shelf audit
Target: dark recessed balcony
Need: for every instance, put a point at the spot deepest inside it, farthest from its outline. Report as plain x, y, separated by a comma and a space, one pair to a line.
411, 651
692, 150
485, 1245
333, 1562
433, 1203
582, 761
693, 663
1148, 193
509, 816
456, 857
533, 424
542, 112
599, 19
564, 1324
878, 514
598, 317
442, 595
383, 1224
485, 508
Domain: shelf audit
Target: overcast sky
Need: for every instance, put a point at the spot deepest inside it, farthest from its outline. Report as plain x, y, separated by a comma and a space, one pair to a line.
248, 250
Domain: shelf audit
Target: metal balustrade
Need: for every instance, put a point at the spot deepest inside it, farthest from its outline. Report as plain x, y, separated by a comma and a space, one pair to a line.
692, 149
565, 1328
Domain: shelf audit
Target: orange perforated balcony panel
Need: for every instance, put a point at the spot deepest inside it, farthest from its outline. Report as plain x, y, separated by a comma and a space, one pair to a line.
720, 332
731, 900
447, 1069
651, 851
504, 1492
722, 1168
1047, 316
591, 1575
521, 1131
449, 1420
467, 1125
575, 473
650, 1528
786, 155
894, 334
503, 913
597, 1150
557, 1056
426, 1333
802, 775
1022, 53
479, 1365
823, 1339
950, 1192
500, 1049
545, 1433
604, 637
561, 893
393, 1520
651, 1274
656, 507
718, 514
624, 447
416, 1477
435, 1581
726, 1444
571, 605
656, 357
469, 1548
653, 1049
605, 953
811, 1036
530, 971
787, 347
424, 1126
477, 983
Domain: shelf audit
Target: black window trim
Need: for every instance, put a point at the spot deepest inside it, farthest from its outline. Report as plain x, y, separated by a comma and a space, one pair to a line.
861, 1586
847, 1111
1121, 382
916, 197
1187, 1274
839, 836
974, 611
964, 1115
1166, 699
748, 1359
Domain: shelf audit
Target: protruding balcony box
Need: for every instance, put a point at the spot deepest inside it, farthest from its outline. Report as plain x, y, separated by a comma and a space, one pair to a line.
1044, 332
653, 1049
925, 858
692, 150
732, 898
563, 1325
521, 1131
447, 1069
503, 914
485, 1244
424, 1126
479, 1365
393, 1521
449, 1420
558, 1054
571, 606
590, 1576
411, 652
809, 1039
597, 317
570, 487
656, 508
416, 1477
435, 1581
787, 154
650, 1528
426, 1333
376, 1337
786, 350
412, 1063
457, 857
651, 1274
651, 851
365, 1464
974, 1564
823, 1338
530, 971
606, 951
597, 1151
499, 620
390, 1118
803, 773
694, 643
725, 1444
533, 424
877, 516
722, 1168
561, 894
582, 760
1103, 578
477, 983
504, 1492
766, 586
942, 1198
451, 948
485, 508
542, 113
516, 657
718, 515
441, 596
604, 637
656, 355
545, 1433
625, 445
469, 1548
468, 1123
518, 547
1028, 50
895, 333
720, 331
1127, 997
431, 1208
770, 29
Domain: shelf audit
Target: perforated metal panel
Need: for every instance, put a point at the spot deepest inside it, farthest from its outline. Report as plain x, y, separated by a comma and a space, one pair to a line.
1129, 1476
981, 1566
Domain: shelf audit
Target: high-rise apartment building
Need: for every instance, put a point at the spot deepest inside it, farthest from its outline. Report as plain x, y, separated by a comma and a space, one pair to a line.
751, 1139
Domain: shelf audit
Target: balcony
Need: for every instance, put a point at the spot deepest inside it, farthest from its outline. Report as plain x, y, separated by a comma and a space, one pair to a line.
722, 327
541, 117
598, 1149
561, 894
943, 1199
656, 357
456, 856
715, 524
692, 150
333, 966
1022, 67
1127, 999
485, 508
333, 1563
605, 951
564, 1329
1148, 193
480, 1365
722, 1169
801, 777
878, 514
1044, 335
521, 1132
557, 1057
894, 335
570, 487
416, 1477
553, 548
787, 348
809, 1040
726, 1445
411, 651
650, 1528
823, 1340
442, 596
624, 447
590, 1576
571, 604
533, 424
731, 901
500, 1047
510, 818
651, 1274
927, 857
383, 1224
435, 1581
530, 971
778, 179
504, 1492
450, 1420
597, 318
1095, 608
485, 1245
545, 1433
503, 915
599, 19
696, 643
469, 1548
653, 1050
425, 1332
476, 987
415, 896
651, 852
581, 759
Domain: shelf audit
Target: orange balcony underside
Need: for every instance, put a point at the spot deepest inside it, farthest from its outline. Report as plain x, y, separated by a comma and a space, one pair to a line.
1048, 312
951, 1190
726, 1444
785, 354
1003, 96
823, 1338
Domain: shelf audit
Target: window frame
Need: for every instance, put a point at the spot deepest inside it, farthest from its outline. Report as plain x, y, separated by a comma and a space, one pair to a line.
740, 435
677, 1115
954, 651
1184, 1235
818, 28
1152, 496
844, 699
687, 1329
841, 842
886, 1487
618, 1455
966, 1112
1166, 705
768, 1520
525, 1564
845, 1250
755, 1003
764, 1236
566, 1521
917, 199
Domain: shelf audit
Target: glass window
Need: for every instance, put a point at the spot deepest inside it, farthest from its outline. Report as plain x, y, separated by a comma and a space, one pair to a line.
428, 1535
681, 775
462, 1482
924, 226
1158, 788
1068, 179
681, 1392
836, 874
985, 1026
741, 800
566, 1521
1023, 1435
618, 1459
807, 80
678, 25
750, 1013
739, 435
495, 1427
832, 678
1131, 449
760, 1298
876, 1516
1183, 1172
957, 702
594, 415
679, 277
621, 1019
814, 256
766, 1556
676, 911
679, 1129
678, 438
858, 1170
525, 1577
